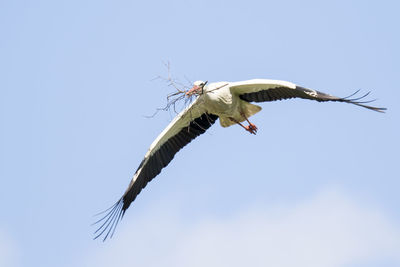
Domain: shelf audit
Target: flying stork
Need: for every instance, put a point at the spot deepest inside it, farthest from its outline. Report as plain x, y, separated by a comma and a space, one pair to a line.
231, 103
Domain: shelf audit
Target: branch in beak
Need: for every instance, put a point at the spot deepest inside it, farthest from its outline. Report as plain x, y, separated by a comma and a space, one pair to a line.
192, 91
195, 89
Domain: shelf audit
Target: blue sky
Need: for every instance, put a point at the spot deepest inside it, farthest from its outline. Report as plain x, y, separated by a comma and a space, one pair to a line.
317, 186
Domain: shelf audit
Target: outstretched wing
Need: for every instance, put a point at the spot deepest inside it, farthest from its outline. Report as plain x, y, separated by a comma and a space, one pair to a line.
186, 126
261, 90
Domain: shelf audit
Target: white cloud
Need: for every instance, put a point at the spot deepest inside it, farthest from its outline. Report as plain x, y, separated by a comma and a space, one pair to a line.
329, 229
8, 251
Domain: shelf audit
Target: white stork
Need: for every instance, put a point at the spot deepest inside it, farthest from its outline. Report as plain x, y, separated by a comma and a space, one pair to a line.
228, 101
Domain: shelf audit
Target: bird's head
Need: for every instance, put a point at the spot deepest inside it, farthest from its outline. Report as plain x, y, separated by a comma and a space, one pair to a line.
197, 88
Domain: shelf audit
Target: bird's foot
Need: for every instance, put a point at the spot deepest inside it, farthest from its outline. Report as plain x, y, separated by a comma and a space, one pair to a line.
252, 128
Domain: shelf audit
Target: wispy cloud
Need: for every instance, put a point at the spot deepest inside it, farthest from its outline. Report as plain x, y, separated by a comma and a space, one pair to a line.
8, 251
328, 229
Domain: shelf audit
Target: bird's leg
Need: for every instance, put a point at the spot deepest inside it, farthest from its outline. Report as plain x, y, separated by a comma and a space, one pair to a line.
235, 121
250, 128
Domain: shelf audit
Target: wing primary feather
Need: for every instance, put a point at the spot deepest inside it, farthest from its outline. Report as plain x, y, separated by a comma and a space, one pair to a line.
109, 220
356, 92
113, 207
361, 103
366, 102
102, 212
116, 215
358, 98
121, 214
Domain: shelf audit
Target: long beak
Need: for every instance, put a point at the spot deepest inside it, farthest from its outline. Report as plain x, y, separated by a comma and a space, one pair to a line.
192, 91
195, 88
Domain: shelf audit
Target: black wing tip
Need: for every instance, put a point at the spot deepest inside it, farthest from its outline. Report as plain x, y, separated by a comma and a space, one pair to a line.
109, 221
358, 101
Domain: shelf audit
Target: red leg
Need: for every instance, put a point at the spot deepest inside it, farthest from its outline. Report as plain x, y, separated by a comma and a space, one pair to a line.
250, 128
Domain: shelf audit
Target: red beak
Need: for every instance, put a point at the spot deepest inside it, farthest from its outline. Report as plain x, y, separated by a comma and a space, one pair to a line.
192, 91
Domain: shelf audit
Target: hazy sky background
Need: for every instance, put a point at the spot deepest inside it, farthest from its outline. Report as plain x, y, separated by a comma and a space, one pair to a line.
317, 186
